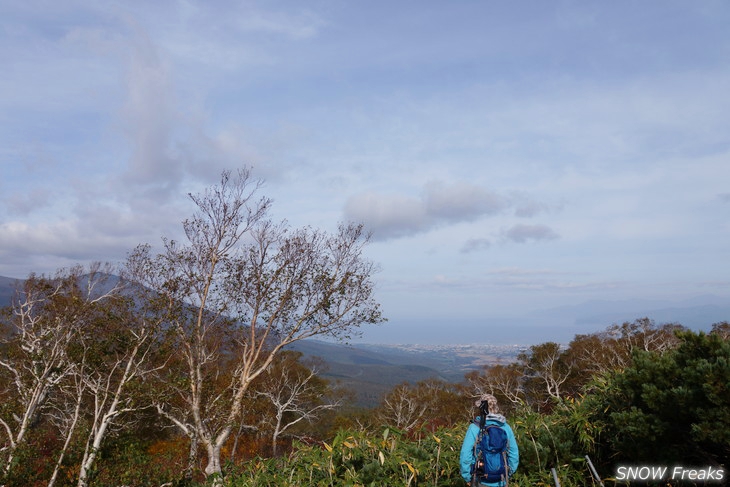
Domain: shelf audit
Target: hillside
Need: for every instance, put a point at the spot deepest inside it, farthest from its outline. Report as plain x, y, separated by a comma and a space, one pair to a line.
371, 370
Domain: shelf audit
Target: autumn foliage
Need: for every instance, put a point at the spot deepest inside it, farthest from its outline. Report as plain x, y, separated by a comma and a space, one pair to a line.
175, 371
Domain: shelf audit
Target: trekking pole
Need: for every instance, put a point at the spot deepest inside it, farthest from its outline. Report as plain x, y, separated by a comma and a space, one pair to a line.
484, 410
555, 477
475, 472
593, 471
474, 479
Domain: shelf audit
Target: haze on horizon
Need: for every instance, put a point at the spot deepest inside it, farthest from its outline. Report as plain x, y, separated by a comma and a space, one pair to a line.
508, 157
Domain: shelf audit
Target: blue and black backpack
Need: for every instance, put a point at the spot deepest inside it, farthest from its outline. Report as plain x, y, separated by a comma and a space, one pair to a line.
491, 454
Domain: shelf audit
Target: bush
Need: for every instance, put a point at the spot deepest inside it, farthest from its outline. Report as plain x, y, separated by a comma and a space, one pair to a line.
388, 458
679, 399
356, 458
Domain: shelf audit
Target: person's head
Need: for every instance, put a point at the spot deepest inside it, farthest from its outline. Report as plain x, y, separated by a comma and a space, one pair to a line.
491, 402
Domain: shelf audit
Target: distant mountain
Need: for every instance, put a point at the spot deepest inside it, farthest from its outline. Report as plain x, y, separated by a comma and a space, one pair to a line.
699, 312
7, 290
8, 286
558, 324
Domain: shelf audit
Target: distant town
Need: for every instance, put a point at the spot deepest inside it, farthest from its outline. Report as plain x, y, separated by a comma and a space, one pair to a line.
463, 356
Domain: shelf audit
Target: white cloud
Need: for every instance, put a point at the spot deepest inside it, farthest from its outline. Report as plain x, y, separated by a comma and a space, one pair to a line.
460, 201
149, 117
440, 204
65, 239
388, 216
521, 233
476, 245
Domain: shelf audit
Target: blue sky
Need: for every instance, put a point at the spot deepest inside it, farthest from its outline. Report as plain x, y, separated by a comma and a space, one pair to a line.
507, 156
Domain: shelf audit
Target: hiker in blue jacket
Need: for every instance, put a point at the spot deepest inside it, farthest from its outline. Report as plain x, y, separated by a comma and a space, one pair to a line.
488, 402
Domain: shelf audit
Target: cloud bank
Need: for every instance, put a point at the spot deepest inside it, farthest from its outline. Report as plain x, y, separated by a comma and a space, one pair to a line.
441, 204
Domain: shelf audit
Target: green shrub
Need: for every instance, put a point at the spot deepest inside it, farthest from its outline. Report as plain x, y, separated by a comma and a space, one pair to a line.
390, 458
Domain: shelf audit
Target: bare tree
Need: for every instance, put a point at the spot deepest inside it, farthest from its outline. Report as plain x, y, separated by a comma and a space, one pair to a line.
597, 353
403, 407
502, 381
431, 403
296, 394
240, 290
65, 413
124, 358
47, 316
721, 329
544, 364
612, 348
642, 334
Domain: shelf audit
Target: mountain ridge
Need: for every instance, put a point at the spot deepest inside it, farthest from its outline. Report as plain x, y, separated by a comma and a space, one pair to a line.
7, 289
371, 367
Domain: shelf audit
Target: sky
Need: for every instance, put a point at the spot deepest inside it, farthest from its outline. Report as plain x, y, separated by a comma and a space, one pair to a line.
508, 157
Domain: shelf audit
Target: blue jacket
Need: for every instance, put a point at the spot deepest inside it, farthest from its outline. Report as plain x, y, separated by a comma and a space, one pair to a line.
467, 448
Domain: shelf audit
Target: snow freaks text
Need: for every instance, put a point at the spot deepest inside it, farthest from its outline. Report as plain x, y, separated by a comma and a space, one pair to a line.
653, 473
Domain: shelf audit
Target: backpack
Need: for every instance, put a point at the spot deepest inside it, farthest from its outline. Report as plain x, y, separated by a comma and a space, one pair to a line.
492, 454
